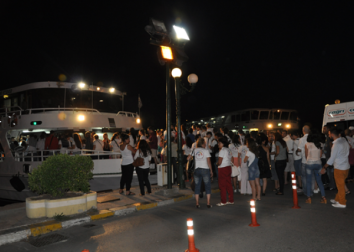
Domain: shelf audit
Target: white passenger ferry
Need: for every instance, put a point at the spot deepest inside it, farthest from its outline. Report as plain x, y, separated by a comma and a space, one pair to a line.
62, 107
255, 119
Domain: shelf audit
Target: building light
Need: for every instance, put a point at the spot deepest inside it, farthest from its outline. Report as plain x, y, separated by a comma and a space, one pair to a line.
223, 117
6, 96
81, 118
112, 89
82, 85
270, 125
288, 126
279, 124
98, 88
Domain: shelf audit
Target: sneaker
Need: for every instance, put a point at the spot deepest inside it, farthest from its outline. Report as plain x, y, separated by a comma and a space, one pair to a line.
334, 201
230, 203
316, 190
221, 204
339, 205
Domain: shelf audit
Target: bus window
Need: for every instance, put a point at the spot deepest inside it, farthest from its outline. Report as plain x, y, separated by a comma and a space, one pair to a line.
254, 114
264, 115
238, 118
233, 118
276, 115
245, 116
284, 115
293, 116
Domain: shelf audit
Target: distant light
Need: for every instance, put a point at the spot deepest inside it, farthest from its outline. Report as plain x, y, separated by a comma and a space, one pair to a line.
101, 100
270, 126
98, 88
212, 118
223, 117
337, 101
81, 118
34, 123
6, 96
176, 72
288, 126
278, 110
244, 127
214, 121
138, 120
279, 124
112, 89
82, 85
326, 105
201, 120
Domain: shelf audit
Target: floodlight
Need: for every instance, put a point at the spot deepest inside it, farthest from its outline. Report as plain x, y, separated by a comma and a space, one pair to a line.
166, 52
82, 85
176, 73
112, 89
181, 33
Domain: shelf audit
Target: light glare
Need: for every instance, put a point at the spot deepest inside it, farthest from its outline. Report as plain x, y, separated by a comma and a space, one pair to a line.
181, 33
81, 118
176, 73
166, 52
112, 90
138, 120
82, 85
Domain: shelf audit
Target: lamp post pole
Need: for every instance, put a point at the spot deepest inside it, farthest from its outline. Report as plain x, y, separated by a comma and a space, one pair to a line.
168, 122
178, 110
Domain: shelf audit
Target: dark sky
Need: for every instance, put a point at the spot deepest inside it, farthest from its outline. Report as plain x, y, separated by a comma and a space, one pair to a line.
253, 54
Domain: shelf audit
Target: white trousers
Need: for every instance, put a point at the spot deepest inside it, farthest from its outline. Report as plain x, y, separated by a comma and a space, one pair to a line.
245, 184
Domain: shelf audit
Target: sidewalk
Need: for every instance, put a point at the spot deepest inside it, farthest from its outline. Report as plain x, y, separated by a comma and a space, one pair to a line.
15, 226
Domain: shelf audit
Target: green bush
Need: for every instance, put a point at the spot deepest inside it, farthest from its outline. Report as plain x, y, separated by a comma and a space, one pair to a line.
61, 173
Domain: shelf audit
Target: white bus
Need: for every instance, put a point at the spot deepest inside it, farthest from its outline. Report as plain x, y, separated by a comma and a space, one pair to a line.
255, 119
339, 115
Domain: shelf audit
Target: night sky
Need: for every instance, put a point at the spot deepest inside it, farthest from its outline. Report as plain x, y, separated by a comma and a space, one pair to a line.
254, 54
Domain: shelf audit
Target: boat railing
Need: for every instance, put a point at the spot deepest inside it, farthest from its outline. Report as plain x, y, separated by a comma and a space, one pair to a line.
38, 110
38, 156
128, 114
10, 111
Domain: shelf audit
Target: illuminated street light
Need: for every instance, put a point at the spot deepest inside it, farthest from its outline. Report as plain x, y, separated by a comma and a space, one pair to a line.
166, 53
112, 89
181, 33
176, 72
82, 85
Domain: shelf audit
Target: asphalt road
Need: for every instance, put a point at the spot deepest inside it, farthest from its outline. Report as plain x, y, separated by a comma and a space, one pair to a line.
314, 227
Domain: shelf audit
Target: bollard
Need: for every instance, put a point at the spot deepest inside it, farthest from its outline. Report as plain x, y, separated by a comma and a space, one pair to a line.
253, 214
85, 250
293, 181
190, 230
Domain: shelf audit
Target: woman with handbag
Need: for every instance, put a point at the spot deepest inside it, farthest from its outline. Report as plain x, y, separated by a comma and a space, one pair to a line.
224, 171
142, 160
235, 160
202, 172
128, 153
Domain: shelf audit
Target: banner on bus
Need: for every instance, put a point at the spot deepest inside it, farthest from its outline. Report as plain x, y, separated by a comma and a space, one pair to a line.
340, 112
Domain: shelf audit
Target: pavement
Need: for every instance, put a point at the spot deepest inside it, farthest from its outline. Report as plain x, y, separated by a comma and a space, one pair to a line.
15, 226
313, 227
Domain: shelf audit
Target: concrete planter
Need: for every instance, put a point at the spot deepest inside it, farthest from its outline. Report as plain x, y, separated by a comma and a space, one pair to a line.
67, 206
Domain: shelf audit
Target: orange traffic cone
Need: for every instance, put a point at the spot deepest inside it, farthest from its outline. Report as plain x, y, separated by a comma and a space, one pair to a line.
190, 230
293, 180
253, 214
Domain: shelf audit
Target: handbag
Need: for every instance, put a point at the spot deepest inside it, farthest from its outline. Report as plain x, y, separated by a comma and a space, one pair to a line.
235, 171
138, 162
191, 164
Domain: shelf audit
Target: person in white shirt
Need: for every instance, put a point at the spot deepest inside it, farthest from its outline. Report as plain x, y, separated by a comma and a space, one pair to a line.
242, 137
142, 134
128, 153
235, 160
98, 146
209, 129
224, 132
78, 144
132, 137
245, 184
339, 159
203, 132
224, 170
203, 171
290, 164
195, 132
253, 170
65, 144
301, 150
297, 160
313, 153
144, 152
187, 150
194, 145
115, 143
40, 144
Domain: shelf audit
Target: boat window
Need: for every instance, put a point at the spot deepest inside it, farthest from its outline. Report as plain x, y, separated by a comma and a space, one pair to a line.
284, 115
276, 115
238, 118
254, 114
47, 98
293, 116
264, 115
233, 118
245, 116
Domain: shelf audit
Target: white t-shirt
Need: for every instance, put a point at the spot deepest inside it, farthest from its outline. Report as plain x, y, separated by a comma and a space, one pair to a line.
234, 150
202, 133
313, 154
250, 156
158, 140
194, 145
296, 146
99, 145
273, 150
63, 150
226, 155
115, 144
187, 150
201, 158
146, 159
242, 139
301, 146
40, 144
143, 137
210, 130
131, 143
289, 143
195, 132
208, 141
243, 150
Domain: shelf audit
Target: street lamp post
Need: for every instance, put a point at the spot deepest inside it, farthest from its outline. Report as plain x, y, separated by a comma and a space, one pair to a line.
176, 74
168, 125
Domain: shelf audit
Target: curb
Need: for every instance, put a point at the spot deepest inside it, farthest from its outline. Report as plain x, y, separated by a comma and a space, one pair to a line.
18, 234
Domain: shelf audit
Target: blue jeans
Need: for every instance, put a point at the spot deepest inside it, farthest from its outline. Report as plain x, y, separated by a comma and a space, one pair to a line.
253, 170
297, 164
310, 170
199, 175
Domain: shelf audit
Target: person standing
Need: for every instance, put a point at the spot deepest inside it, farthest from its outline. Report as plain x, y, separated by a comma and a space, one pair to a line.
191, 135
235, 160
132, 136
290, 146
106, 146
245, 184
142, 135
127, 164
51, 142
144, 152
115, 142
313, 153
153, 144
301, 150
224, 170
98, 146
327, 151
340, 162
264, 161
187, 150
272, 149
202, 172
280, 161
253, 170
297, 160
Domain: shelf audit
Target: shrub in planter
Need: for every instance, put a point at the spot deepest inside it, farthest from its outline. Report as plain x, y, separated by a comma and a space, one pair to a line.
61, 173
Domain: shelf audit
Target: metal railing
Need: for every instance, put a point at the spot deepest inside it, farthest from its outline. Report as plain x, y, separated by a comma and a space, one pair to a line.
63, 109
8, 112
128, 114
38, 156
